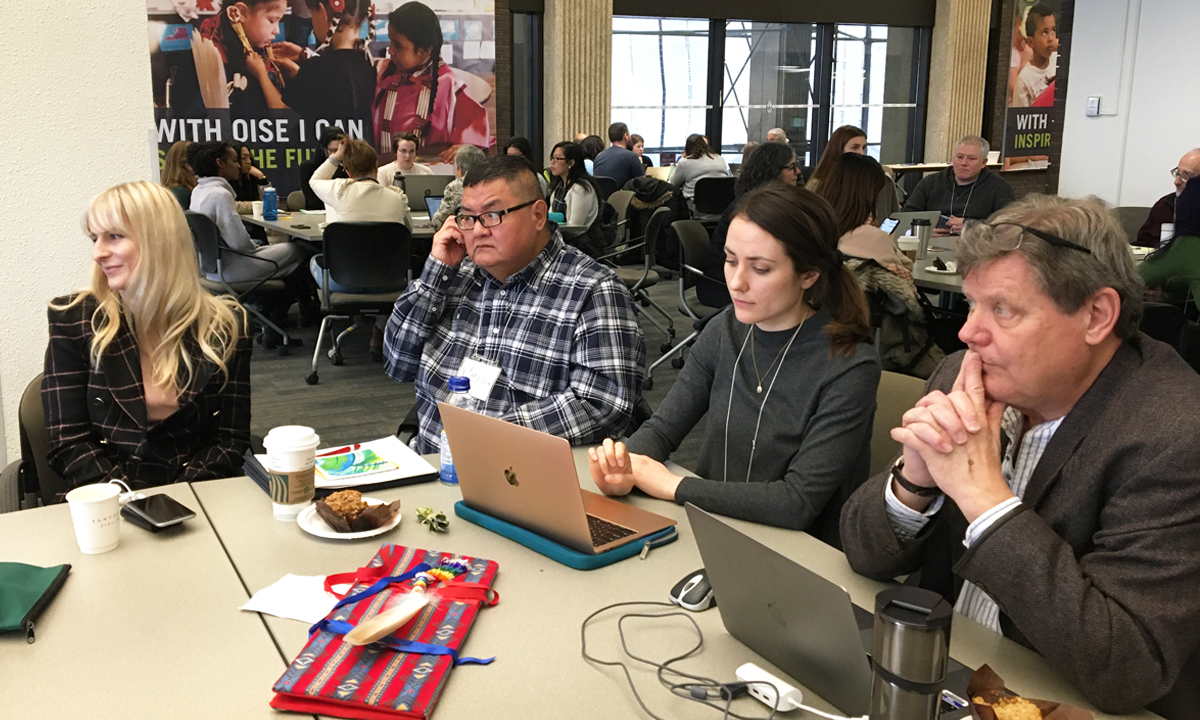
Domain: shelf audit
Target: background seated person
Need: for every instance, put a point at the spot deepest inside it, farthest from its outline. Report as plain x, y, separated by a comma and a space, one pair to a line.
852, 188
699, 161
1180, 256
177, 175
331, 137
405, 145
592, 146
518, 145
788, 437
467, 157
573, 192
966, 189
768, 163
638, 146
358, 198
1050, 480
849, 139
1163, 210
147, 375
216, 164
618, 161
500, 290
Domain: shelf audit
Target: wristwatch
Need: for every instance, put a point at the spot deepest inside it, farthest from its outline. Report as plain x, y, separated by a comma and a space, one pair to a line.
898, 476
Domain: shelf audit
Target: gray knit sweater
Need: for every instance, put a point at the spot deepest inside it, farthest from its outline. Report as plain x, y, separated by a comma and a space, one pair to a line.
813, 446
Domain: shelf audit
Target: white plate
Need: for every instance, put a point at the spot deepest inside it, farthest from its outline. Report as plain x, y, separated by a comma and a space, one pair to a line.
932, 269
311, 523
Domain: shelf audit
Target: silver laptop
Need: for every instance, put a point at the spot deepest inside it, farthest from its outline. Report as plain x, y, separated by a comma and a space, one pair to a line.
528, 478
802, 623
419, 187
905, 220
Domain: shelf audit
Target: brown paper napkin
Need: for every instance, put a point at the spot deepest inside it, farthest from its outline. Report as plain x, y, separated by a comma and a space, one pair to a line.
989, 686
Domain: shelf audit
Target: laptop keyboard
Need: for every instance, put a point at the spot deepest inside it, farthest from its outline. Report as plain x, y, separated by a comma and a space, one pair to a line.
604, 532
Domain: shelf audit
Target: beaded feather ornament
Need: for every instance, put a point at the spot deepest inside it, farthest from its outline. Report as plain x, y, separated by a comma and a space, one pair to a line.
394, 618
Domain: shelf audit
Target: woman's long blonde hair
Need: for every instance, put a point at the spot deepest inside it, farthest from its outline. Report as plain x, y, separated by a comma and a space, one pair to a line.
176, 171
164, 302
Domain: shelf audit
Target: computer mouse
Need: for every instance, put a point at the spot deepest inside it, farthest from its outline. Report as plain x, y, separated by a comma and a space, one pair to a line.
693, 592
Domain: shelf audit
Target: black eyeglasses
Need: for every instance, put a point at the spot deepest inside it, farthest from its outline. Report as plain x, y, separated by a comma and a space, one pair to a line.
553, 157
492, 218
1054, 240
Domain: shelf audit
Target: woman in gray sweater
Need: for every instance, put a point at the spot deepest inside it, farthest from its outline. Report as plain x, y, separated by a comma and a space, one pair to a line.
699, 161
787, 378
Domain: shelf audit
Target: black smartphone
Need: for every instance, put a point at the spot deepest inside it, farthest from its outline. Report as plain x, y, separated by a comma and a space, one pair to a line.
156, 512
944, 221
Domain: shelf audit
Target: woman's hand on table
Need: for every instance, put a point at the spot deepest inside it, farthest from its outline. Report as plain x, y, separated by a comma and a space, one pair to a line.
616, 471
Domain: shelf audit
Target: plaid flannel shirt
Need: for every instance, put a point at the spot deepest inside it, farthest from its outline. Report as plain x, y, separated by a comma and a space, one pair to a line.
563, 331
96, 417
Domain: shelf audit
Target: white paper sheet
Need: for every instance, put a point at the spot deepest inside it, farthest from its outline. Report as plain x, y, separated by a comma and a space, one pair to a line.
294, 597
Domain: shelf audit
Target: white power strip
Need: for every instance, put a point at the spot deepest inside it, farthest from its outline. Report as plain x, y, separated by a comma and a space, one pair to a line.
768, 689
777, 694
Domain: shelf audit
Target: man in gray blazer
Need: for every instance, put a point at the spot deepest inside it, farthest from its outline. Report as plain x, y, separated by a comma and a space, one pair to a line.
1049, 483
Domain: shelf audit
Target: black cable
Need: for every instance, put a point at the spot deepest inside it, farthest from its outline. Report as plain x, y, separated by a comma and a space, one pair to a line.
727, 691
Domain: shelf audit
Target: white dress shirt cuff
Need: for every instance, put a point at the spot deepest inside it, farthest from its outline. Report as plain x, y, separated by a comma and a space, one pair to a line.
906, 521
987, 519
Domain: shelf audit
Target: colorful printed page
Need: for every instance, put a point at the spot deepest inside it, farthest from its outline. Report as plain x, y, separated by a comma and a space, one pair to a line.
354, 464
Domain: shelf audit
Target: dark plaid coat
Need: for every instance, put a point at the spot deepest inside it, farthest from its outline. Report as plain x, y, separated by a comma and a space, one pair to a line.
96, 418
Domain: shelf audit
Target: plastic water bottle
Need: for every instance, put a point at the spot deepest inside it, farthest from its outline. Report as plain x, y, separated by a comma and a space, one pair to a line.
270, 204
460, 397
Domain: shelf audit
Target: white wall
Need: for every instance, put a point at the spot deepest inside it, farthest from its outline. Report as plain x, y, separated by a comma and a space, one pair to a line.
76, 112
1138, 57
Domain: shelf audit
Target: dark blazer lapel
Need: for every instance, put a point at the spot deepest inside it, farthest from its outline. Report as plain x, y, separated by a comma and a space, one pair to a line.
1079, 422
123, 374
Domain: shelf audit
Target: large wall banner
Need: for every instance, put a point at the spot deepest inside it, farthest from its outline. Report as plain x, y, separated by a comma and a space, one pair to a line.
275, 73
1028, 132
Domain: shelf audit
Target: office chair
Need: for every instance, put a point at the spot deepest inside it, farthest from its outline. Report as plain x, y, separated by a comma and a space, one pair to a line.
693, 242
607, 186
210, 248
25, 481
713, 195
364, 255
638, 279
295, 201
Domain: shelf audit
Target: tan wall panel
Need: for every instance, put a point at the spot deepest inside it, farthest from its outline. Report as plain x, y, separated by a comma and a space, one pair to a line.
957, 73
578, 68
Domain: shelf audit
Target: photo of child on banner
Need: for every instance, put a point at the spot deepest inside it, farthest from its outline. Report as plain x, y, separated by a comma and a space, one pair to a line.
1028, 131
223, 70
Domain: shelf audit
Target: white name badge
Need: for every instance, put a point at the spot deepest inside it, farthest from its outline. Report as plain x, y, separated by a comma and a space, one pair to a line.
483, 374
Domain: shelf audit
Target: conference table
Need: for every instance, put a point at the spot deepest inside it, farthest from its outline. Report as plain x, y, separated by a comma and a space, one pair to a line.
152, 629
928, 277
307, 226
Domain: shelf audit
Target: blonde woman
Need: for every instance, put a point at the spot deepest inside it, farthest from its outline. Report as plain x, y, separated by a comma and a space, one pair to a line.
177, 175
147, 375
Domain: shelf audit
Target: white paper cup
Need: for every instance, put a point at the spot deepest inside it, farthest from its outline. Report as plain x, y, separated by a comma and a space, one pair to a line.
256, 206
95, 512
291, 451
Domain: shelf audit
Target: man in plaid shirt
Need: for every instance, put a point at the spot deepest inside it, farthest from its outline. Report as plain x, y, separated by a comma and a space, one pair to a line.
501, 291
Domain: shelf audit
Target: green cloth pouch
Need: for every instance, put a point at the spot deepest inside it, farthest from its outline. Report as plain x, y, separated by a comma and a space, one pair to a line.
25, 591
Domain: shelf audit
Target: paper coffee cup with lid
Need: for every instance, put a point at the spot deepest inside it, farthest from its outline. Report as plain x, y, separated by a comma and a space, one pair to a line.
291, 459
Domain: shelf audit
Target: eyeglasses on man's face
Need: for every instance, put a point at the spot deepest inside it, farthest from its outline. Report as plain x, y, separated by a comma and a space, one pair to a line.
1016, 237
489, 219
1183, 175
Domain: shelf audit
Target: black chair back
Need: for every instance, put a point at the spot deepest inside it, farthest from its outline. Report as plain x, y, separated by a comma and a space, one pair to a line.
713, 194
35, 446
207, 239
693, 240
1163, 322
607, 186
367, 254
654, 228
